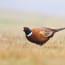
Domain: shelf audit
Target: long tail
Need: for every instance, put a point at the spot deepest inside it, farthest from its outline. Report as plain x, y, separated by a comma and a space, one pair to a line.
60, 29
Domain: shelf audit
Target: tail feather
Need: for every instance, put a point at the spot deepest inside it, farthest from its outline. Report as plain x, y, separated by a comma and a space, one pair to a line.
55, 30
60, 29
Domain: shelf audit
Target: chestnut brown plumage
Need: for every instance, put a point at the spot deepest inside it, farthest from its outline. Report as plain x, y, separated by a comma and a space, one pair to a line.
40, 35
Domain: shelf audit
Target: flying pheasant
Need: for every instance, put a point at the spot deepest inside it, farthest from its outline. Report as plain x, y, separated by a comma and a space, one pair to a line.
40, 35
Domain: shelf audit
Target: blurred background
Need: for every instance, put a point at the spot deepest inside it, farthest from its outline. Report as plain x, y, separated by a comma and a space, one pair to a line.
32, 12
15, 49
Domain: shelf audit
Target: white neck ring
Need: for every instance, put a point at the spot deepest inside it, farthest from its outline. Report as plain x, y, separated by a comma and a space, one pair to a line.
29, 34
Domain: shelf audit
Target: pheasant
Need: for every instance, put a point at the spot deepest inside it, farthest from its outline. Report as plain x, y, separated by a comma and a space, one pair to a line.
40, 35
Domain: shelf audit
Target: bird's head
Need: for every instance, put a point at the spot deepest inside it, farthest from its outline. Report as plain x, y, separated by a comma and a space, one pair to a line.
27, 30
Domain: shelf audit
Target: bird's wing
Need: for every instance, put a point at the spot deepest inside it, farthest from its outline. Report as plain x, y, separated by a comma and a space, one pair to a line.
46, 32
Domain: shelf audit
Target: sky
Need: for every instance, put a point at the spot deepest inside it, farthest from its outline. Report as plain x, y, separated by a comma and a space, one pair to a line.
41, 6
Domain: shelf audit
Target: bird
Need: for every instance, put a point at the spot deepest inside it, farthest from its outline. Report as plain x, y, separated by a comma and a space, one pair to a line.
40, 35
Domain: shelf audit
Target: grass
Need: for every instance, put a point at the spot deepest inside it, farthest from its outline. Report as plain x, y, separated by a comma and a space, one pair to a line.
16, 50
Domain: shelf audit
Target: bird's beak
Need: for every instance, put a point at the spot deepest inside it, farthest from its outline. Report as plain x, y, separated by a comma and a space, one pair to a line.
23, 29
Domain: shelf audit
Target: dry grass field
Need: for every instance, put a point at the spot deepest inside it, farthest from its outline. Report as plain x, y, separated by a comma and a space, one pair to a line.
15, 49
